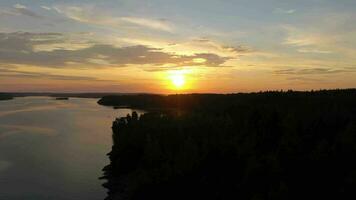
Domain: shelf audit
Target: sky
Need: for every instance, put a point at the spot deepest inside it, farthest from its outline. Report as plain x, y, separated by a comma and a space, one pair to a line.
170, 46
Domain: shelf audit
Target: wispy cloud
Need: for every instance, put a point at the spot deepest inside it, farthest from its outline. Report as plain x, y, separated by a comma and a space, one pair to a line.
19, 9
20, 6
190, 46
304, 79
313, 71
307, 41
149, 23
300, 38
23, 10
89, 15
284, 11
4, 72
308, 50
46, 7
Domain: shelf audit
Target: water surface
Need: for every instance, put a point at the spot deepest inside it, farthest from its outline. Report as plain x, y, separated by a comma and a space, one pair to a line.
51, 149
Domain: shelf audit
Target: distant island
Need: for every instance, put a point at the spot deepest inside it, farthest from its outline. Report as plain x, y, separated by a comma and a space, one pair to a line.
4, 96
62, 98
267, 145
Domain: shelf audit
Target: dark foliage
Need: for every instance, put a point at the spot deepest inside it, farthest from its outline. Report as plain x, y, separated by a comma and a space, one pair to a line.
5, 96
62, 98
273, 145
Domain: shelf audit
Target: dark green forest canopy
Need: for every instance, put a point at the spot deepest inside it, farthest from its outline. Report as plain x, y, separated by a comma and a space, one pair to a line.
271, 145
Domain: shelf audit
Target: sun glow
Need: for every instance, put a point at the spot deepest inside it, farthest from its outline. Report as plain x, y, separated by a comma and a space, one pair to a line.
178, 80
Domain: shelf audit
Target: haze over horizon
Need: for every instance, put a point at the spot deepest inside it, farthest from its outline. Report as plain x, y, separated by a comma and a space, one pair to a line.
171, 46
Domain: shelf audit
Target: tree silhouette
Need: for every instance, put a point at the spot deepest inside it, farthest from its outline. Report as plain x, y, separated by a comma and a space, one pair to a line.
271, 145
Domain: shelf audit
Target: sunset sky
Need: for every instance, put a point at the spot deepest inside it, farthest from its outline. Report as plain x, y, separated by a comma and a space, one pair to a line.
171, 46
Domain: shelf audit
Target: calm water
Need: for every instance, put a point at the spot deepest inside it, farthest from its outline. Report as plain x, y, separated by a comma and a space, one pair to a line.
54, 149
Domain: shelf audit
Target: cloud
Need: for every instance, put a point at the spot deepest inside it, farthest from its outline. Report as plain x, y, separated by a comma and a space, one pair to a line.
313, 71
301, 38
304, 79
189, 46
324, 33
23, 10
19, 9
308, 41
233, 50
89, 15
22, 48
209, 59
19, 6
308, 50
46, 7
284, 11
300, 41
81, 15
26, 42
4, 72
149, 23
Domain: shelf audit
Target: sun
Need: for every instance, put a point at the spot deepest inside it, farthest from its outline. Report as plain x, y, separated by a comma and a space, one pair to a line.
178, 80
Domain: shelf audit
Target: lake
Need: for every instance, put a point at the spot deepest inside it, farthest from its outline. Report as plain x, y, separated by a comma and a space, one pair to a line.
52, 149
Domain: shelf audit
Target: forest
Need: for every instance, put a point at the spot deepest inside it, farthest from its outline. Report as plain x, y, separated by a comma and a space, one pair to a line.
266, 145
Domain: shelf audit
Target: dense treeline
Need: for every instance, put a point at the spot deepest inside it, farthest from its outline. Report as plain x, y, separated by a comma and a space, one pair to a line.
5, 96
210, 102
273, 145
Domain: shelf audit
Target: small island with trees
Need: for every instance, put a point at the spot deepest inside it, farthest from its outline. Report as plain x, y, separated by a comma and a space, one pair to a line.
5, 96
266, 145
62, 98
